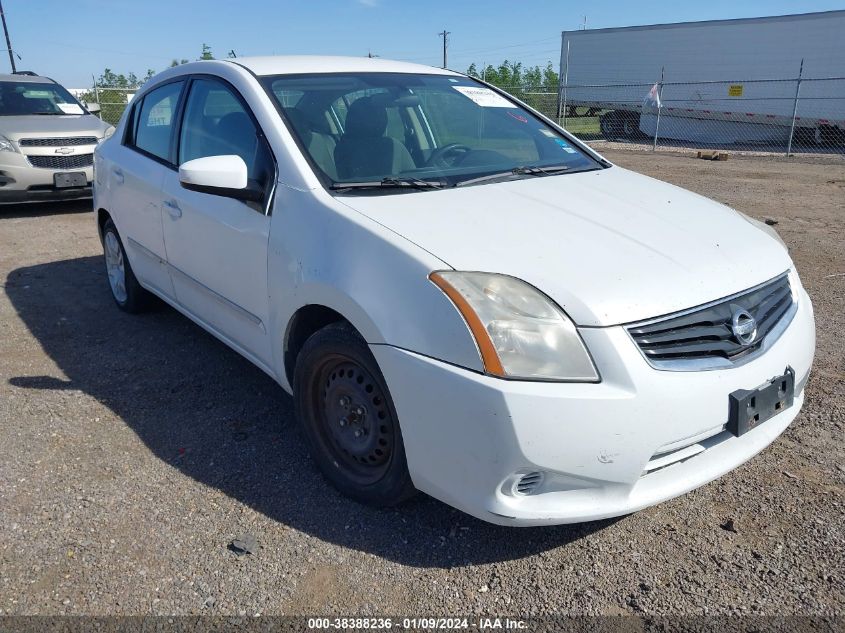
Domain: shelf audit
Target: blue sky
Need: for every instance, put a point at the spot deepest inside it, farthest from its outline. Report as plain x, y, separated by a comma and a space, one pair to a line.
73, 40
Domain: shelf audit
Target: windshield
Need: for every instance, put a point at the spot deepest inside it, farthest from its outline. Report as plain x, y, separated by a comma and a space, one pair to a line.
22, 97
382, 130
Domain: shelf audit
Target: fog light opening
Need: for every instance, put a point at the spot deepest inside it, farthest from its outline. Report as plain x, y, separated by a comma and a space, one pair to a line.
527, 484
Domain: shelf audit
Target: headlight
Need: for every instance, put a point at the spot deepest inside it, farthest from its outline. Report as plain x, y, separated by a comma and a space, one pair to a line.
794, 284
6, 145
108, 133
520, 333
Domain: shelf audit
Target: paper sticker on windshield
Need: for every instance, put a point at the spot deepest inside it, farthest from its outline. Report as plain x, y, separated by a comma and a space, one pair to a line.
484, 97
565, 146
548, 133
69, 108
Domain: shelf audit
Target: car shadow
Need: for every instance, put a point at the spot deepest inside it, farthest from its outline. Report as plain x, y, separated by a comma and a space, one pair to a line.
203, 409
43, 209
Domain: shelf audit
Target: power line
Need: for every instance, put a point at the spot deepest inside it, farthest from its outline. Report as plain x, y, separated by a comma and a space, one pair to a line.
465, 51
497, 48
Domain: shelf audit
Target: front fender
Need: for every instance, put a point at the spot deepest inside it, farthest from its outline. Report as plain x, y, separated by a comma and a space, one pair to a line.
325, 253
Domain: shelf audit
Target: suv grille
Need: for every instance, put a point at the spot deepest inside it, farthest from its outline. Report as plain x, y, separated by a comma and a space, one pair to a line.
62, 162
703, 338
58, 142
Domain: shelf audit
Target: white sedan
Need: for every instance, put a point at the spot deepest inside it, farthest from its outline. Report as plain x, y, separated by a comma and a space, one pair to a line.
462, 297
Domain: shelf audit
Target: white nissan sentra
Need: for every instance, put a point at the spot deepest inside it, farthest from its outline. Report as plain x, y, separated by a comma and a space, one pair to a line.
462, 298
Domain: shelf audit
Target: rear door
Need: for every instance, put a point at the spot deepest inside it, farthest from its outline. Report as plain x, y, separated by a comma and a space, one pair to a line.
217, 246
136, 175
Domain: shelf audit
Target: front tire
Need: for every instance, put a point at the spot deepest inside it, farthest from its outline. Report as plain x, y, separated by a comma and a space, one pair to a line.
348, 418
125, 289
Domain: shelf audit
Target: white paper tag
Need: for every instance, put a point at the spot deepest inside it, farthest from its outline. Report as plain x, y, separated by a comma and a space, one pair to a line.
484, 97
69, 108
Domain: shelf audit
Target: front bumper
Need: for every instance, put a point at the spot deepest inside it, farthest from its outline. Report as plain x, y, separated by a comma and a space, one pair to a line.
639, 437
21, 182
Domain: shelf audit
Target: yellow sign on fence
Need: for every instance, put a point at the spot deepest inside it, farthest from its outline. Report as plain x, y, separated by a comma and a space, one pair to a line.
735, 90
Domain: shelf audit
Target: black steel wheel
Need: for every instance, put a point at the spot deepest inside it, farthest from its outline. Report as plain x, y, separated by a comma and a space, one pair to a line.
348, 417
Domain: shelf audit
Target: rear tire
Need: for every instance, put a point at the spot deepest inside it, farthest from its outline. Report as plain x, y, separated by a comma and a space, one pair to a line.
619, 125
125, 289
348, 418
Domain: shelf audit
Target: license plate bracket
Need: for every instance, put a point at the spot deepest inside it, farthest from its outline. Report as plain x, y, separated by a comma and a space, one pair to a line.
66, 179
749, 408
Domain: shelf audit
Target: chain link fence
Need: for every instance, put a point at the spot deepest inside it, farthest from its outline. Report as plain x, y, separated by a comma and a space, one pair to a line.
112, 101
781, 116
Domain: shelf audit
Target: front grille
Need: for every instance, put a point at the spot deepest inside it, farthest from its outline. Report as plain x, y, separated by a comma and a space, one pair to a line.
687, 450
58, 142
62, 162
703, 338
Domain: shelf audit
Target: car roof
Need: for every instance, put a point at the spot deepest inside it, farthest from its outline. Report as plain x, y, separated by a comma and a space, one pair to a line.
313, 64
26, 79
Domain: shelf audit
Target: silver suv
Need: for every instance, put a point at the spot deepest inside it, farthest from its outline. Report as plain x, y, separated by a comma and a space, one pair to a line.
47, 141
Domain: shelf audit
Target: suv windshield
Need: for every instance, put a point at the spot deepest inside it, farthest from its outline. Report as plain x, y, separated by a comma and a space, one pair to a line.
23, 97
405, 132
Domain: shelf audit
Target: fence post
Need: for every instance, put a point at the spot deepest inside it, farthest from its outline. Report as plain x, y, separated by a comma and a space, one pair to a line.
659, 107
561, 101
795, 107
97, 97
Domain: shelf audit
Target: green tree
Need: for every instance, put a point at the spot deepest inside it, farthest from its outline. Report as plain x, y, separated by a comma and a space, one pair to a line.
515, 76
206, 52
112, 91
550, 76
178, 62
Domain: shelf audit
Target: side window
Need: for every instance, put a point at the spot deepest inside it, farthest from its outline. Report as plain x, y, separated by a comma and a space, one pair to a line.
155, 120
216, 124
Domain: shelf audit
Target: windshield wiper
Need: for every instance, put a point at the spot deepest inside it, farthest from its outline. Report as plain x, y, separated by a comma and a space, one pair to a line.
390, 182
527, 170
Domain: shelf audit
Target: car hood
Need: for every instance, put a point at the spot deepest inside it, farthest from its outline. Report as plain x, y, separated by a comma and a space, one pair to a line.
16, 127
609, 246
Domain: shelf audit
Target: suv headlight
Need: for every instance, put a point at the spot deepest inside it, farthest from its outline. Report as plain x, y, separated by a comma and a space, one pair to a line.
520, 333
6, 145
107, 134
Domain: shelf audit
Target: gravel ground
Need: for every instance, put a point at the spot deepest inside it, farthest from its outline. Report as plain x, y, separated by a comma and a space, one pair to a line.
135, 449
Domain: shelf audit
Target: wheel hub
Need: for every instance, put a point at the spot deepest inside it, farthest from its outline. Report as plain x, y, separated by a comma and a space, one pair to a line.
355, 415
115, 266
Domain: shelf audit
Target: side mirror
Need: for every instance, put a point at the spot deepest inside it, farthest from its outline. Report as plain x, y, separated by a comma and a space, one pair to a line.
93, 108
220, 176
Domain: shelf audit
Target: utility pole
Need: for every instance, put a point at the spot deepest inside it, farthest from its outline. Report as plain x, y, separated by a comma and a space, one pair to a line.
445, 35
8, 41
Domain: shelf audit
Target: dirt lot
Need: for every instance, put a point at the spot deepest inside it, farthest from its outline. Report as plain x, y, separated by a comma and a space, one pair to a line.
134, 449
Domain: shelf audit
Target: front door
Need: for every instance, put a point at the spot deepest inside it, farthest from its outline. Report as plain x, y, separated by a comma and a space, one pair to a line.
217, 246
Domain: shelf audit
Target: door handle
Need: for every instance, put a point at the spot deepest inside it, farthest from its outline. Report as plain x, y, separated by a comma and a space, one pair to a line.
118, 175
173, 209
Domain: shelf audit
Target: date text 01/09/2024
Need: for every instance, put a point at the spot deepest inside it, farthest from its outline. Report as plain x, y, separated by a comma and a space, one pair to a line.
423, 623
